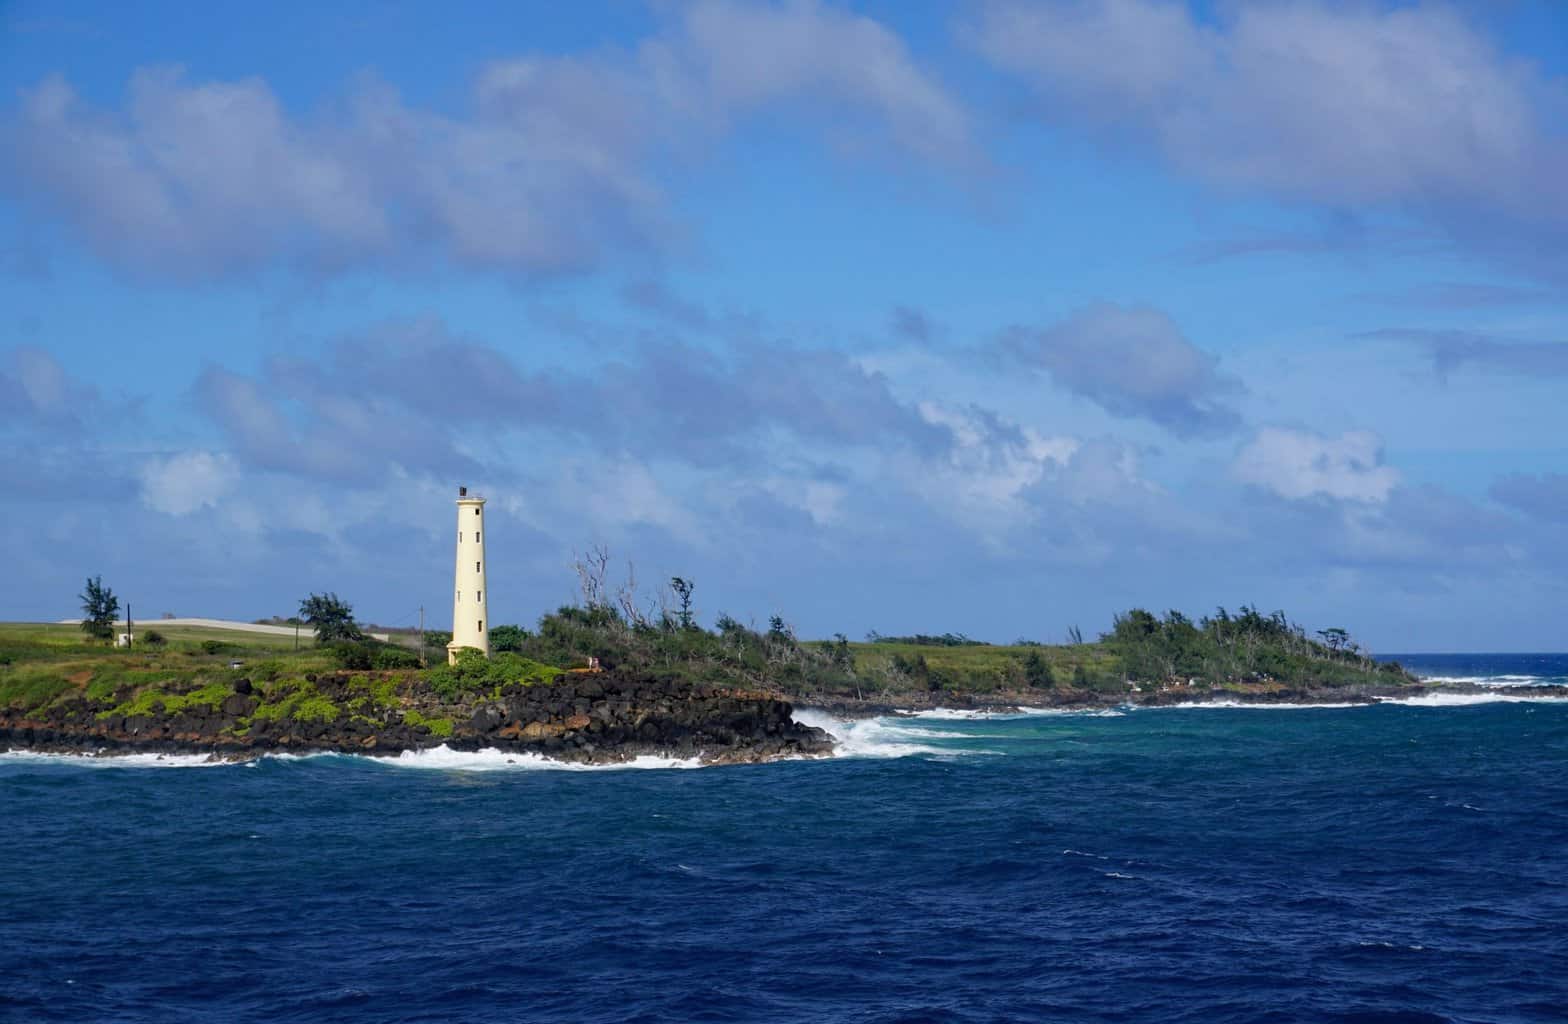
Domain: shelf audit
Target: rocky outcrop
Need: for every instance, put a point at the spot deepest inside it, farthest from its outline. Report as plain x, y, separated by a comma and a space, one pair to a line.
580, 718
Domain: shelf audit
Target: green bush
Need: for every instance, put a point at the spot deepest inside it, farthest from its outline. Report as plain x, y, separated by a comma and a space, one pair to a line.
390, 656
508, 638
474, 671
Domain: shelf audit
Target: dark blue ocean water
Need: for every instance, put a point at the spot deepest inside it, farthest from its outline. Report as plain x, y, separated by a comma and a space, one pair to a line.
1503, 670
1390, 863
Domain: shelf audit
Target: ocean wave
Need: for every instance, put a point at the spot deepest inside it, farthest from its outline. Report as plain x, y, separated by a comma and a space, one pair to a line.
1248, 705
115, 760
1499, 680
1454, 700
878, 737
440, 758
490, 759
986, 714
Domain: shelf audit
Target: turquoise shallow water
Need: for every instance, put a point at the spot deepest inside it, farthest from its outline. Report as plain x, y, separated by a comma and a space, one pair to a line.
1392, 863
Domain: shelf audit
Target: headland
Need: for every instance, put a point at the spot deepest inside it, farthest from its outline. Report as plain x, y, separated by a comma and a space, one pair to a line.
590, 686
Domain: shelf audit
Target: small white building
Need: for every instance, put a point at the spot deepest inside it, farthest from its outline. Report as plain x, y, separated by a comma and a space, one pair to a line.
468, 579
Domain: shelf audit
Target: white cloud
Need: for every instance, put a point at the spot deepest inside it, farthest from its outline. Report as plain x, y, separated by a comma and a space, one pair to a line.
1132, 361
1298, 464
983, 478
1337, 103
185, 483
551, 165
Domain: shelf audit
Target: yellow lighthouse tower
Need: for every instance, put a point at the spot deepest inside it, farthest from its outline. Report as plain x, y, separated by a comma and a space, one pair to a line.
468, 581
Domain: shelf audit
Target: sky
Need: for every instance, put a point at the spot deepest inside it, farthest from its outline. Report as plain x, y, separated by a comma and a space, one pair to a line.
996, 318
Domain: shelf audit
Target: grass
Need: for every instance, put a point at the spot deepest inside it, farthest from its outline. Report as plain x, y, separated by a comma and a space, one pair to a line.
41, 663
438, 726
989, 667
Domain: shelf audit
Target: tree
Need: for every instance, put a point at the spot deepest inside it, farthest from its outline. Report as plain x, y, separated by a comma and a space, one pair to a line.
683, 588
331, 618
1037, 671
100, 607
1336, 638
507, 638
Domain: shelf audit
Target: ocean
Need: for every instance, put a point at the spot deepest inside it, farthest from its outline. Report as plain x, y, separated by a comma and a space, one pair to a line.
1405, 862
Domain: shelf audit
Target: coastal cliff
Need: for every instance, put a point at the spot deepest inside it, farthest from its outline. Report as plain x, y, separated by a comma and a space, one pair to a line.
598, 719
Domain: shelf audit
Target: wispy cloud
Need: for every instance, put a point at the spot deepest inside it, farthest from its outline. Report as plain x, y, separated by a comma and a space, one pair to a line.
1451, 350
1133, 362
1458, 295
550, 168
1412, 108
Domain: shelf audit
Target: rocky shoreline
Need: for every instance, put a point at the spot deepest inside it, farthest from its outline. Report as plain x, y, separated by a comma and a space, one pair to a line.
607, 718
1002, 702
585, 719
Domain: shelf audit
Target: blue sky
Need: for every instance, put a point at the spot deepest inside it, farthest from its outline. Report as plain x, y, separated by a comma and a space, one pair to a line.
994, 317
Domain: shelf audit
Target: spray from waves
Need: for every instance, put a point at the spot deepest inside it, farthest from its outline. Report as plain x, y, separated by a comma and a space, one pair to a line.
115, 760
1249, 706
989, 715
1502, 681
440, 758
444, 758
1455, 700
881, 737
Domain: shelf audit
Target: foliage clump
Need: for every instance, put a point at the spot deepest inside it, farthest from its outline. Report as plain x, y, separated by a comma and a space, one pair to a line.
331, 617
99, 609
1245, 647
438, 726
474, 672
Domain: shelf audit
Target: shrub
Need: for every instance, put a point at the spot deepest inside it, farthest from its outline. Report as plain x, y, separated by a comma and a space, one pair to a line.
388, 656
153, 638
474, 671
505, 638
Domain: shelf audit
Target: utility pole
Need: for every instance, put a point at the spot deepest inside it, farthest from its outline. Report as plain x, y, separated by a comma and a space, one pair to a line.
130, 634
422, 636
296, 632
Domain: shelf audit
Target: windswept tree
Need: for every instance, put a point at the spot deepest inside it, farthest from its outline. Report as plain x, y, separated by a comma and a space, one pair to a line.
683, 590
99, 609
331, 618
1335, 638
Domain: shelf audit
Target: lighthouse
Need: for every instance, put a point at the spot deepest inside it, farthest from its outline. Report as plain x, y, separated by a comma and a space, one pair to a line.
468, 579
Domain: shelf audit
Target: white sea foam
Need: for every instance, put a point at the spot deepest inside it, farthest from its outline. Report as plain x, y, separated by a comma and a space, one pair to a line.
1515, 681
1454, 700
985, 714
957, 714
1250, 706
444, 758
876, 737
114, 760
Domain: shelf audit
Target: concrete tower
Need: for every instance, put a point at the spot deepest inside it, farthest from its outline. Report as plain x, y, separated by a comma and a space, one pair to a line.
468, 581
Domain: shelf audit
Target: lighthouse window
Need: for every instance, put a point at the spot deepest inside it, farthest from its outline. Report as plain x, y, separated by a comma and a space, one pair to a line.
460, 536
476, 536
459, 595
480, 597
476, 510
476, 567
481, 625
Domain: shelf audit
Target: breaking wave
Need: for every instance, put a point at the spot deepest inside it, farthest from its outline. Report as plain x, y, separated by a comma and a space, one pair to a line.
116, 760
1454, 700
489, 759
882, 737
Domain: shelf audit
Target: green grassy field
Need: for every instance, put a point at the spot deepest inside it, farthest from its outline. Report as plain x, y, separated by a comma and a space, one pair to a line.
56, 636
985, 668
986, 658
40, 661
